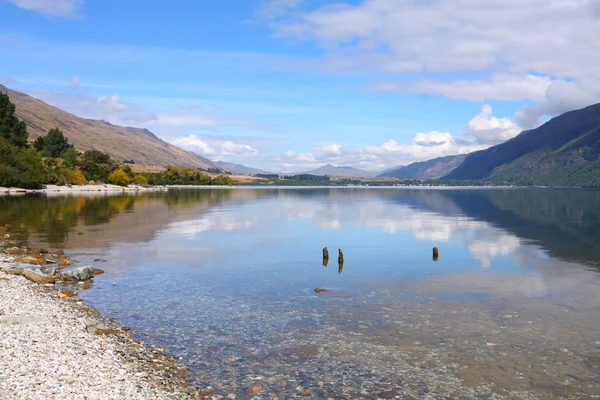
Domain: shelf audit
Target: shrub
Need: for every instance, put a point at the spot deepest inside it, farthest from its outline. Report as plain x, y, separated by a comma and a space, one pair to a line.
140, 180
118, 177
222, 180
73, 177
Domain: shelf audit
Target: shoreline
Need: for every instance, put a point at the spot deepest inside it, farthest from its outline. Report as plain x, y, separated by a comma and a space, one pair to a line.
60, 348
114, 189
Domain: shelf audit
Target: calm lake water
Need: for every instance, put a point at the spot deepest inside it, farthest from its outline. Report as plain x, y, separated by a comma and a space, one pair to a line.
225, 281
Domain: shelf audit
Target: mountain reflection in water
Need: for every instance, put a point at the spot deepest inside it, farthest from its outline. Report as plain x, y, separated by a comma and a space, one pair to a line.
510, 306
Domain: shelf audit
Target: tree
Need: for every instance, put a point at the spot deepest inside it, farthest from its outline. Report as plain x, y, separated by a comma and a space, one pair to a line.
13, 130
96, 166
118, 177
20, 167
54, 145
70, 158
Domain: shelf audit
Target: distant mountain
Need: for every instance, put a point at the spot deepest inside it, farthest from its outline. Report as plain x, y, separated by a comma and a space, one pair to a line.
332, 170
432, 169
240, 168
139, 145
563, 151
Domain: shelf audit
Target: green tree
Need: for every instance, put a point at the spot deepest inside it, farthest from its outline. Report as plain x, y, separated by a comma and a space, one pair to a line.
13, 130
96, 166
20, 167
70, 158
54, 145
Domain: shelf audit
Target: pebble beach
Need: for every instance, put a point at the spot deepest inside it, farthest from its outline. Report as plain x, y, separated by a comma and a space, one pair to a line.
53, 348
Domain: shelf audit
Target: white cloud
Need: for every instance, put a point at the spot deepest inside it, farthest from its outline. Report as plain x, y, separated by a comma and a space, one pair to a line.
491, 130
497, 86
58, 8
424, 146
209, 146
541, 50
561, 96
556, 37
270, 9
115, 110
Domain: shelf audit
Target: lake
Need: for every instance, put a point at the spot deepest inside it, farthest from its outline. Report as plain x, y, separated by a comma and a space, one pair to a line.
225, 279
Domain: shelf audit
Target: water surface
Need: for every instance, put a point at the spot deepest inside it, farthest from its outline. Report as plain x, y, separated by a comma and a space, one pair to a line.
224, 280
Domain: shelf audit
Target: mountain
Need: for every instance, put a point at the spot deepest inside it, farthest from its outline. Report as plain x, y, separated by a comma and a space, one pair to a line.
240, 168
563, 151
431, 169
139, 145
332, 170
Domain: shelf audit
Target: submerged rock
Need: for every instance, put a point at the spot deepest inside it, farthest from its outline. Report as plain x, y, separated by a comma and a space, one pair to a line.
78, 274
64, 262
97, 271
39, 278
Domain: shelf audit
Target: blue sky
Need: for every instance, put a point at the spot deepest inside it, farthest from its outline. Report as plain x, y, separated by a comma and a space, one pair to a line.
288, 85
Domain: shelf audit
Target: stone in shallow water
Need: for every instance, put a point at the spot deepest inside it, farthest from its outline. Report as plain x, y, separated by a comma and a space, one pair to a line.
78, 274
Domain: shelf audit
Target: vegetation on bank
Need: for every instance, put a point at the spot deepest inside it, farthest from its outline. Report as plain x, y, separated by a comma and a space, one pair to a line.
53, 160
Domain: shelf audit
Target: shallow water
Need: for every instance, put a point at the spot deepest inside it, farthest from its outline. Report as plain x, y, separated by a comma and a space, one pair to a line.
225, 279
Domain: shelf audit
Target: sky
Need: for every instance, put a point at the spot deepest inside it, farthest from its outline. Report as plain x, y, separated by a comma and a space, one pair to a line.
290, 85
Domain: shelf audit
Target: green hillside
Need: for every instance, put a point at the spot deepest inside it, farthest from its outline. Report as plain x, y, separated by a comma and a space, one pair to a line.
565, 151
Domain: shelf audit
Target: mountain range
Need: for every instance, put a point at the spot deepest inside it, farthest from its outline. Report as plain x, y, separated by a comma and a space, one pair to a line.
565, 151
240, 168
332, 170
121, 143
432, 169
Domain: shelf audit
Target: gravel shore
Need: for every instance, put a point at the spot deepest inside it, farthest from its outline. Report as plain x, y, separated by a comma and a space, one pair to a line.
49, 189
53, 348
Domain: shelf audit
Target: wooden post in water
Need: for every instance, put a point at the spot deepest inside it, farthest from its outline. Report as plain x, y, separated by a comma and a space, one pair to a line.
340, 256
325, 256
436, 254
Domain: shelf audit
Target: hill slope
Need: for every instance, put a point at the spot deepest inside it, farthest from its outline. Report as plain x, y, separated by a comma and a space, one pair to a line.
332, 170
563, 151
431, 169
139, 145
240, 168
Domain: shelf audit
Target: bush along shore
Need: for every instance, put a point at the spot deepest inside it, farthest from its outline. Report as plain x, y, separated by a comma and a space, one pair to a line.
53, 346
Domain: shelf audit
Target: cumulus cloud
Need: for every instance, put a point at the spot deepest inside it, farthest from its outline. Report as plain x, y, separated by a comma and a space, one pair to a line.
561, 96
57, 8
209, 146
424, 146
488, 129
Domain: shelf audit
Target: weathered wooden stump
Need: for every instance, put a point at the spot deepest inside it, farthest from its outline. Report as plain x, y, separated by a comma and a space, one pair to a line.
436, 254
340, 267
325, 256
340, 256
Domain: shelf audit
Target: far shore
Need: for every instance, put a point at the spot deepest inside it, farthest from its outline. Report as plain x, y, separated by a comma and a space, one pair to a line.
114, 189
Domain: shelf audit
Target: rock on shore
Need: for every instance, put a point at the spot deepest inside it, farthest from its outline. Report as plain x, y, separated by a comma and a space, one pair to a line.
48, 351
